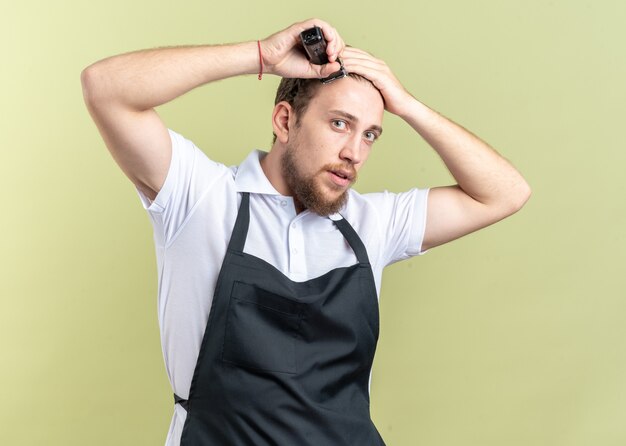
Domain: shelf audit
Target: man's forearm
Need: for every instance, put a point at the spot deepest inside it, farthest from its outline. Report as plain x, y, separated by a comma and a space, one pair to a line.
145, 79
478, 169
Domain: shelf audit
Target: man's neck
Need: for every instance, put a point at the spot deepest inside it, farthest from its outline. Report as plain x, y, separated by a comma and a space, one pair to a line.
272, 168
271, 165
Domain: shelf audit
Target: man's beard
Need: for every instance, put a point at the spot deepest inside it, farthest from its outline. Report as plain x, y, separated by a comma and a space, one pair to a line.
307, 191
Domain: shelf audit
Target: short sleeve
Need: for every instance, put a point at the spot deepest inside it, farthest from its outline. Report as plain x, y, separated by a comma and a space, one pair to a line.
189, 176
402, 222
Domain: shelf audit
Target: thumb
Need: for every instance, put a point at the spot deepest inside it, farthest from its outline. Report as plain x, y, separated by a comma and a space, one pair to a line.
328, 69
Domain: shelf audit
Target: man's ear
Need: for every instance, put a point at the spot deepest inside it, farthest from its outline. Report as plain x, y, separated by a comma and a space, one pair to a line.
282, 120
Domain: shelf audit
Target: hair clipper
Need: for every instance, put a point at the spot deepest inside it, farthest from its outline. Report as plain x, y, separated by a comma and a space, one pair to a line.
315, 47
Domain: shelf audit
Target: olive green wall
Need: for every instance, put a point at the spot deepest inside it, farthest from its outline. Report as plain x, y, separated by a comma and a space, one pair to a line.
511, 336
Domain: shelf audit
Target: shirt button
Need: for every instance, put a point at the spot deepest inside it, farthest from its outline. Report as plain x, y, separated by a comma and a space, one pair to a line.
283, 203
294, 225
294, 251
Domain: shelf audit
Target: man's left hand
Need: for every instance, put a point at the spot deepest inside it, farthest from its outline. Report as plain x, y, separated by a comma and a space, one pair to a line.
396, 97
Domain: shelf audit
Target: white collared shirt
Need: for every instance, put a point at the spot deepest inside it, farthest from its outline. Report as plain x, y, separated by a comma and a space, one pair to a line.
193, 216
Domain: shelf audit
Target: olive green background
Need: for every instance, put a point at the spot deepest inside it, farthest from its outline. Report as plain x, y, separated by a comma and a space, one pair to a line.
511, 336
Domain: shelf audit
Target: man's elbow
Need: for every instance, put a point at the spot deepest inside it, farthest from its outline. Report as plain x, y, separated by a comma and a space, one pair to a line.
88, 83
93, 83
518, 197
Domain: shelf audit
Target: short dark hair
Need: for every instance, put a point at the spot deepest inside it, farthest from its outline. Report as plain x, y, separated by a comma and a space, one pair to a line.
299, 92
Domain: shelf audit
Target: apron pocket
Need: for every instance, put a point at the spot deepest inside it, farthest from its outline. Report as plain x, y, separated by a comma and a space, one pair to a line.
261, 330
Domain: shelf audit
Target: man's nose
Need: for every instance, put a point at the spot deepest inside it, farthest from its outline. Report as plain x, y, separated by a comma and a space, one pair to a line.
351, 151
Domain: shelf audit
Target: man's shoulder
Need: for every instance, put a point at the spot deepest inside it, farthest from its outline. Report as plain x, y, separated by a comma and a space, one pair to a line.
360, 206
198, 162
374, 200
381, 205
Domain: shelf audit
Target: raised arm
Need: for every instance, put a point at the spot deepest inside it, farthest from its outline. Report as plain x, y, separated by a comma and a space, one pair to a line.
122, 91
489, 188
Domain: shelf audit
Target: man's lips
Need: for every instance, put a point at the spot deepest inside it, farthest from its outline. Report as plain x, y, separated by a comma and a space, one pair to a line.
343, 173
341, 177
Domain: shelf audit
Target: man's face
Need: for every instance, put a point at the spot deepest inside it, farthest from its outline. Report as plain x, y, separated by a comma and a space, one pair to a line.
331, 143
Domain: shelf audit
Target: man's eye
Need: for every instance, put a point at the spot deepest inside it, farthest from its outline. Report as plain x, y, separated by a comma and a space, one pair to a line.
338, 123
370, 136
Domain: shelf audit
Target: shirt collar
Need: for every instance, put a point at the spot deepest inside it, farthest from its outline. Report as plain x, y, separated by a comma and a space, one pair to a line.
250, 176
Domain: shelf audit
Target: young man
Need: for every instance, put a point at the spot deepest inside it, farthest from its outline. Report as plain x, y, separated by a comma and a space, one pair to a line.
269, 272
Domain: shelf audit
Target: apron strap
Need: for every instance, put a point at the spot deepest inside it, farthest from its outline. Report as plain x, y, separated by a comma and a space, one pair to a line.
184, 403
240, 231
353, 240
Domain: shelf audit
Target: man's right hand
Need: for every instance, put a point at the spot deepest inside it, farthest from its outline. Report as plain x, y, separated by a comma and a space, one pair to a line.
284, 56
122, 91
